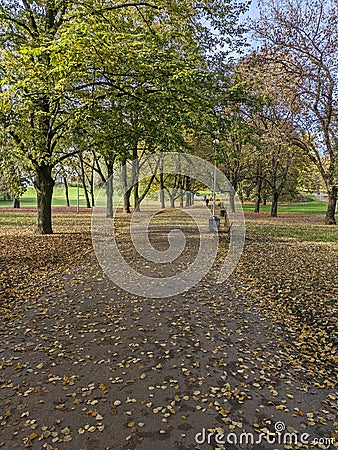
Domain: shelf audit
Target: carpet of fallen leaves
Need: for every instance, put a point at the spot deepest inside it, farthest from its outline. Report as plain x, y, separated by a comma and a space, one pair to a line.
295, 283
85, 365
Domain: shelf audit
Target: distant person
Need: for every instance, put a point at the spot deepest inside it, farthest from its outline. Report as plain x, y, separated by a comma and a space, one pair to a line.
207, 202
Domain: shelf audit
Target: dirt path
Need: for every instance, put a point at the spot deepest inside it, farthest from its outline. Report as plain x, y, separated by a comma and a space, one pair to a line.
88, 366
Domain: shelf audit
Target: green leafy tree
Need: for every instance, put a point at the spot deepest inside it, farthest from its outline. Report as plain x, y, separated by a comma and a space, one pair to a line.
35, 109
59, 60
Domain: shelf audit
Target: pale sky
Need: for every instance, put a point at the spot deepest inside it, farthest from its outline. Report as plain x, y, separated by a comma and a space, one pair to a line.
253, 12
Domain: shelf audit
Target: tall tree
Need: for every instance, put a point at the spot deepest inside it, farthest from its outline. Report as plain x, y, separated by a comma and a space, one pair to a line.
35, 109
300, 40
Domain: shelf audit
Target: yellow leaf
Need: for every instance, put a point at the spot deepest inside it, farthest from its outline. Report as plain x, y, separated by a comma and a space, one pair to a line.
103, 387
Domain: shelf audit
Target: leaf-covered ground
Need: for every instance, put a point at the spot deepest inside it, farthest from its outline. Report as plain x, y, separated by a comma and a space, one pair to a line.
86, 366
294, 281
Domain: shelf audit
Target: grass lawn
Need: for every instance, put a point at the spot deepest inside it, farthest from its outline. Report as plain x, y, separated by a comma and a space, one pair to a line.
302, 221
59, 197
301, 227
307, 208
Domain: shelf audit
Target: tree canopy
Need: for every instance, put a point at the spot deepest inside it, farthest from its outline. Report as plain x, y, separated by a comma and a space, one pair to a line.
66, 63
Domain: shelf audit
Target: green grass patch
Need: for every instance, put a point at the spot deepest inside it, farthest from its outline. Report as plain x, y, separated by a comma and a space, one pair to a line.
316, 207
301, 232
59, 197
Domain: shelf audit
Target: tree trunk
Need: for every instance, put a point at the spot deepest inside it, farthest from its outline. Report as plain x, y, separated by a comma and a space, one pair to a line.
162, 196
86, 193
65, 182
44, 185
126, 195
16, 203
274, 205
265, 195
259, 184
84, 182
232, 200
181, 198
137, 203
109, 192
162, 199
187, 192
257, 203
109, 186
136, 185
240, 192
331, 207
172, 195
162, 187
126, 202
188, 199
258, 196
92, 190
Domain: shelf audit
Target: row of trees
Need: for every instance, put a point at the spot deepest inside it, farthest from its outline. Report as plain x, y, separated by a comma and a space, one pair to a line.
300, 54
289, 123
92, 85
111, 76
